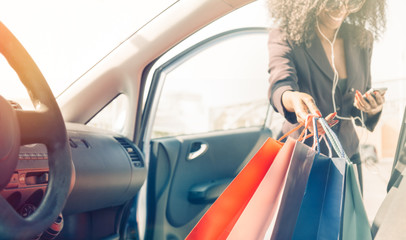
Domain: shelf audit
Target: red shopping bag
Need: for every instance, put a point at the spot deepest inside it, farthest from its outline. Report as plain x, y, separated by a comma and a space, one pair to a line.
221, 217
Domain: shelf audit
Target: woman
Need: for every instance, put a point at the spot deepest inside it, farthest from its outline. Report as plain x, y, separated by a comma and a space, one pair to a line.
319, 63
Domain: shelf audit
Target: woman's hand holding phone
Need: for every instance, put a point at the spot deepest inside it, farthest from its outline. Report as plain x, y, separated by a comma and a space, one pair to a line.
371, 102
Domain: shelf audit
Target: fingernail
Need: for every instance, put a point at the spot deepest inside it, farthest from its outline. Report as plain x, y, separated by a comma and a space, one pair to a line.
318, 113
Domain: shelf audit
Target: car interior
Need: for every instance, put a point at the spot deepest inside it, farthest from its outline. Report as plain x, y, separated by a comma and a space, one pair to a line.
142, 142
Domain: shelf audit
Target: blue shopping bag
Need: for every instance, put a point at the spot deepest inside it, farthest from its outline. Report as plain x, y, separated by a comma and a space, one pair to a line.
320, 212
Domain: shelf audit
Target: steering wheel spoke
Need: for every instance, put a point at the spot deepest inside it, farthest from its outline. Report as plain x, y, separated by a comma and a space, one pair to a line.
35, 127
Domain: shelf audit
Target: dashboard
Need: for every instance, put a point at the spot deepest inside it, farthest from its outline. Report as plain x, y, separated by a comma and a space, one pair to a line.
109, 170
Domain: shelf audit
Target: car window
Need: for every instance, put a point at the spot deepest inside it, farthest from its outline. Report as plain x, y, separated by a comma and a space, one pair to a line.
219, 86
113, 116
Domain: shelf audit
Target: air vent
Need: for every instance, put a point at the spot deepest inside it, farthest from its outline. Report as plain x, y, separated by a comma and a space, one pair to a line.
132, 150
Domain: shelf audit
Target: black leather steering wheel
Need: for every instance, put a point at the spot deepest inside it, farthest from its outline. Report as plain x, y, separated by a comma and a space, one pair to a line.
44, 125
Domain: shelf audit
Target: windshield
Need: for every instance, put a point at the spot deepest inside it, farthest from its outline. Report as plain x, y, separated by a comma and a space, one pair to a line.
66, 38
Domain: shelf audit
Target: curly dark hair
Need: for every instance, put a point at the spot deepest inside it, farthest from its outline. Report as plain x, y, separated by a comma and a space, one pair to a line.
297, 19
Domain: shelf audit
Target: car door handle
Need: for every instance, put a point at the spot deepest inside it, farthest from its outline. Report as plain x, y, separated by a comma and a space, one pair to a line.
197, 149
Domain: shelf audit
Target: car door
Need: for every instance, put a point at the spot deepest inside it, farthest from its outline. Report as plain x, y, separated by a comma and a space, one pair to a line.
206, 114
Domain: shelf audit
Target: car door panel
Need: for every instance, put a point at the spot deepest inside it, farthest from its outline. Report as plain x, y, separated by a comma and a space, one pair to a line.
206, 115
181, 190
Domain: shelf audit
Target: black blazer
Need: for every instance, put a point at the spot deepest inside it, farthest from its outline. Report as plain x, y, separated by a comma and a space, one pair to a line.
307, 69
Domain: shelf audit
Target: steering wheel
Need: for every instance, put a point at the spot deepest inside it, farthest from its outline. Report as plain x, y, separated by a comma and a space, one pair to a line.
43, 125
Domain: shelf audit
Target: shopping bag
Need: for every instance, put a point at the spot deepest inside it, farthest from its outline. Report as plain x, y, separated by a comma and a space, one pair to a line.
257, 215
320, 212
295, 185
355, 219
311, 203
355, 224
220, 218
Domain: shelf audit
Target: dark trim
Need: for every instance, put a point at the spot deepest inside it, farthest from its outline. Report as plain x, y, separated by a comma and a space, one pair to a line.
139, 121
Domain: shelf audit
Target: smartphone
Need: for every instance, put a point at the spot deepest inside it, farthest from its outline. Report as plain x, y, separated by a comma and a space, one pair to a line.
381, 90
372, 91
